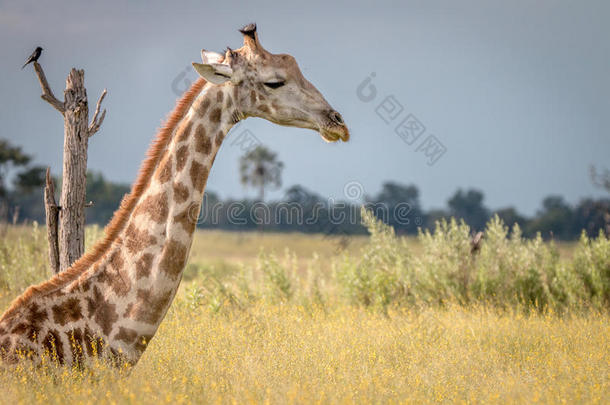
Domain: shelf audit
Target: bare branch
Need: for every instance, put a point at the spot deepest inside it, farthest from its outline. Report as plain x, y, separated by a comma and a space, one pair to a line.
47, 93
95, 122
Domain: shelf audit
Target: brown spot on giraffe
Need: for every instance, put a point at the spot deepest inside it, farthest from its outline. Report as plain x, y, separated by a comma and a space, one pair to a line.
68, 311
36, 314
102, 311
188, 218
184, 130
156, 206
219, 137
263, 108
32, 321
143, 265
127, 335
215, 115
199, 175
137, 240
173, 258
219, 96
77, 344
181, 192
116, 260
117, 275
150, 306
89, 339
21, 328
252, 97
94, 345
85, 285
202, 106
202, 142
53, 345
182, 155
164, 172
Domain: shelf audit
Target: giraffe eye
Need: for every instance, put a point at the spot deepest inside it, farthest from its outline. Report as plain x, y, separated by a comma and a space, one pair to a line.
275, 85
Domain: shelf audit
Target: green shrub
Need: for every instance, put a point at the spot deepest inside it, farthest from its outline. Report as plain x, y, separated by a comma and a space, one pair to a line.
592, 263
444, 270
514, 271
381, 276
508, 271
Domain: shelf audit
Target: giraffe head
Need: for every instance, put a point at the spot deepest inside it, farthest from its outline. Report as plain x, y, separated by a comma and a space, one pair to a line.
272, 87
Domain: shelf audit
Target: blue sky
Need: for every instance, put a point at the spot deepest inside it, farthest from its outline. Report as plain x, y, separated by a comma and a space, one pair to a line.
516, 92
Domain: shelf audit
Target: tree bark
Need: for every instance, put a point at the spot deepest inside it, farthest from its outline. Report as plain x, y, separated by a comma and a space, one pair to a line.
52, 213
66, 223
74, 179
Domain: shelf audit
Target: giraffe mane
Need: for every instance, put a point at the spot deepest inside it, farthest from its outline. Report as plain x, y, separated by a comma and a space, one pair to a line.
121, 215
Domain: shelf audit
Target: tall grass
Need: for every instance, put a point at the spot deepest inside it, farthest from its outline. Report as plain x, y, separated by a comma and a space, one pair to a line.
389, 320
289, 354
23, 258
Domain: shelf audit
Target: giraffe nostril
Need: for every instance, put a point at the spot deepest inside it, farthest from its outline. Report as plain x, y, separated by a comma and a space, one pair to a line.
336, 117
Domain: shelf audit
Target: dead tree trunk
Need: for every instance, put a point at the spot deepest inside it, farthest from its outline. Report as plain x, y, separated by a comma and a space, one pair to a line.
52, 214
66, 222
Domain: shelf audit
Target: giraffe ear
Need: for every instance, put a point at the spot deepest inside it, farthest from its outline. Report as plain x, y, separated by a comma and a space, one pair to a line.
210, 57
216, 73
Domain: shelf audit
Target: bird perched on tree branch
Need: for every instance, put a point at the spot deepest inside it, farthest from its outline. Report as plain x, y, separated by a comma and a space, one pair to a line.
33, 57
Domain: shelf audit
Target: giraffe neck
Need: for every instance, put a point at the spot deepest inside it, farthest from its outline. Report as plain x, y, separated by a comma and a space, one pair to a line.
145, 265
121, 293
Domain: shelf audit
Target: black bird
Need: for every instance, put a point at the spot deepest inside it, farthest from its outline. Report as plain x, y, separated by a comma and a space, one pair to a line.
33, 57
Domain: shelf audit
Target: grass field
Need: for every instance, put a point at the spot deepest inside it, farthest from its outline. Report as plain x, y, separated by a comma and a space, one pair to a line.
309, 318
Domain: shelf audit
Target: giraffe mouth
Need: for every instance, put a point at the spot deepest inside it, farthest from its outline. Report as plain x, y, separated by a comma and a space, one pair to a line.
335, 134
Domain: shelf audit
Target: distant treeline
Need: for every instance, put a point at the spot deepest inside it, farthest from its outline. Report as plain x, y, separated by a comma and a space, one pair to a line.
301, 210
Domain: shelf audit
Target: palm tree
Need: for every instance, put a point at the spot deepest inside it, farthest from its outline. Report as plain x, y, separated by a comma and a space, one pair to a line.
260, 168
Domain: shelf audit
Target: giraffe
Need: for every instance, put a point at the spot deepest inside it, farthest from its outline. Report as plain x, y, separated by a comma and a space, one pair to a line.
113, 299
